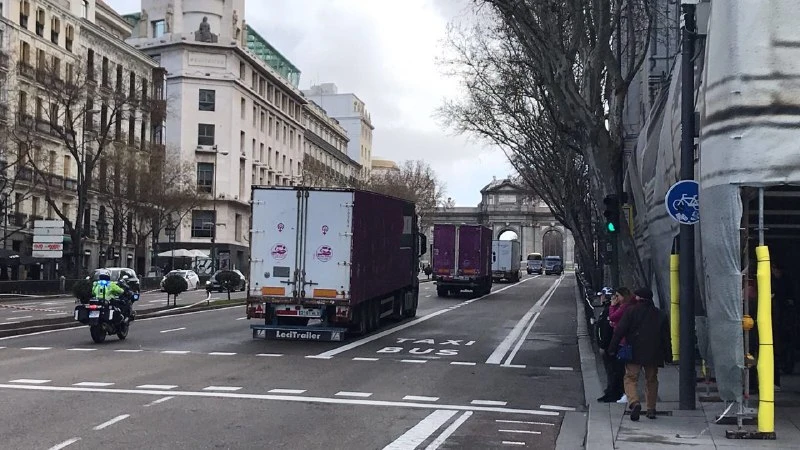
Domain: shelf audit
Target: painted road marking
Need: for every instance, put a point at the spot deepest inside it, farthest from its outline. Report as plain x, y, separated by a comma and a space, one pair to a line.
242, 318
513, 443
421, 431
462, 363
57, 314
78, 349
270, 354
111, 422
420, 398
161, 400
20, 317
448, 431
377, 336
222, 388
37, 348
358, 358
417, 361
318, 357
286, 398
354, 394
286, 391
222, 353
173, 329
157, 386
566, 369
497, 355
556, 408
524, 422
520, 431
10, 323
488, 403
64, 444
29, 381
128, 351
175, 352
93, 384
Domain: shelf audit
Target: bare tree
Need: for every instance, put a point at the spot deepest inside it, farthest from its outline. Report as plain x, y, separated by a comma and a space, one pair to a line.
583, 56
414, 181
81, 113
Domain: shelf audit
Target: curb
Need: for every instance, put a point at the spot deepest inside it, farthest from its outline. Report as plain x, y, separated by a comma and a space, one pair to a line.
60, 323
599, 433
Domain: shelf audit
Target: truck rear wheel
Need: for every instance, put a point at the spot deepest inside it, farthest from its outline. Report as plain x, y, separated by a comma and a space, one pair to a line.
442, 292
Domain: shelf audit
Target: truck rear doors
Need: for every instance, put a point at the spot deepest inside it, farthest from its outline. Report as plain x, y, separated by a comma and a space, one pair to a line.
470, 259
444, 250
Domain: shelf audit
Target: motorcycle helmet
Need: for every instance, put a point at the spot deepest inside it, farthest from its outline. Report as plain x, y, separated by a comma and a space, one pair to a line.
103, 275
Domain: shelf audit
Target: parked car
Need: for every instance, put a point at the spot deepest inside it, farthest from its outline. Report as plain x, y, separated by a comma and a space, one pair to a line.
191, 277
213, 284
117, 273
553, 265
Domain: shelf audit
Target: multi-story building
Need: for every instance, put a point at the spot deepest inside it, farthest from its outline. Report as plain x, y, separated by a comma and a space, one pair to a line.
235, 111
75, 49
351, 112
382, 167
326, 162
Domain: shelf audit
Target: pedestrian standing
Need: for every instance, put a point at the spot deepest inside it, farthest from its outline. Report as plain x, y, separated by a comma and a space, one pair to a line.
648, 346
615, 369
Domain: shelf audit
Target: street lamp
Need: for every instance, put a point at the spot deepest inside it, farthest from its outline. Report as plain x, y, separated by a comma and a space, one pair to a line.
170, 231
214, 204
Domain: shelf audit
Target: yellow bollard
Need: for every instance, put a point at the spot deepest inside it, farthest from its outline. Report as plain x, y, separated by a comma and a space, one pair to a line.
674, 307
766, 353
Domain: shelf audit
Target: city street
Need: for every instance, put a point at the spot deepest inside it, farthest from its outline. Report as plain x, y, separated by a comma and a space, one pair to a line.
493, 372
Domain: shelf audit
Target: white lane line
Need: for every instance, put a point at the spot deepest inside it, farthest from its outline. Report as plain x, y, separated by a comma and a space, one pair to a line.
222, 388
448, 431
37, 348
270, 354
284, 398
2, 348
9, 323
128, 351
157, 386
421, 431
354, 394
556, 408
318, 357
520, 431
60, 330
427, 296
382, 334
286, 391
566, 369
64, 444
93, 384
522, 444
156, 301
358, 358
524, 422
497, 355
242, 318
77, 349
515, 366
488, 403
462, 363
111, 422
19, 317
173, 329
420, 398
161, 400
175, 352
222, 353
416, 361
57, 314
29, 381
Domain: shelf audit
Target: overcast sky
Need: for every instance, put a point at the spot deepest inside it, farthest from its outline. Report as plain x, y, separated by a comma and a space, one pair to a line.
386, 53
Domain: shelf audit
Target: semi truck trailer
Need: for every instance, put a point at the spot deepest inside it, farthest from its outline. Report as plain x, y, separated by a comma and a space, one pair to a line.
462, 259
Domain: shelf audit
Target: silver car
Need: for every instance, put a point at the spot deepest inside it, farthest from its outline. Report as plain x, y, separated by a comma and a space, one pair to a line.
191, 277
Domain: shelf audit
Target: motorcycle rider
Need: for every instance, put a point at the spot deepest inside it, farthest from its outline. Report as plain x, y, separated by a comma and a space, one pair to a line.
105, 289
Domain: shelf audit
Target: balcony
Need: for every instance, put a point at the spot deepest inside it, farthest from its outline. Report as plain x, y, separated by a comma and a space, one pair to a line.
56, 181
25, 174
70, 184
26, 70
3, 60
17, 220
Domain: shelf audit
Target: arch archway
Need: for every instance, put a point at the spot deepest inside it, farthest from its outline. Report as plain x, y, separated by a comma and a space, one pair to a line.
553, 243
508, 234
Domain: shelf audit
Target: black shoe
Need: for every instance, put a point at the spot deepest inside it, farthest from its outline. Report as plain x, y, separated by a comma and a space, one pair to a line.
651, 414
636, 410
604, 399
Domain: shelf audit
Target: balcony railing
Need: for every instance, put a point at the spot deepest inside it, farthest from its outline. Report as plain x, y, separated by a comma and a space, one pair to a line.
25, 174
3, 60
70, 184
17, 219
26, 70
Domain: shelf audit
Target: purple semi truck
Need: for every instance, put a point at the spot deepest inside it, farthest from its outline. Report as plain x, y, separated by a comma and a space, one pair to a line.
462, 259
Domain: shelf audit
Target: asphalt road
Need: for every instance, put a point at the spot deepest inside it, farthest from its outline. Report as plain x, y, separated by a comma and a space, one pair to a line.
494, 372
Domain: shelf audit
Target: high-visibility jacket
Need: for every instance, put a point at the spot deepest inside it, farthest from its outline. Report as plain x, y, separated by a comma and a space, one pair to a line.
106, 290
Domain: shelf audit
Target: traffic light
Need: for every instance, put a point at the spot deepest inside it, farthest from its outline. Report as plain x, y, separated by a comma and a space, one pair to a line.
611, 213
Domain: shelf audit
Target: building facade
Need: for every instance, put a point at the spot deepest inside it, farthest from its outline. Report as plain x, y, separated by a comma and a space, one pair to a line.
235, 112
325, 162
54, 51
382, 167
352, 114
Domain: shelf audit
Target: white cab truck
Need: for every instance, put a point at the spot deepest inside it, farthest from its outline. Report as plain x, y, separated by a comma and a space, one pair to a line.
506, 260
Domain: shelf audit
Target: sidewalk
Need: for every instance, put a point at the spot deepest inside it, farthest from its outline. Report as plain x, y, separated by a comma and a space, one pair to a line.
609, 427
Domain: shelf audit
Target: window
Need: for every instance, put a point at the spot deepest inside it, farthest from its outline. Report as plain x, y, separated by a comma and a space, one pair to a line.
132, 86
203, 223
70, 37
55, 30
41, 60
159, 28
207, 100
205, 177
90, 64
24, 12
241, 141
263, 120
241, 71
243, 106
241, 178
238, 227
205, 134
26, 52
132, 129
85, 9
255, 116
119, 78
105, 71
56, 69
67, 167
269, 132
40, 22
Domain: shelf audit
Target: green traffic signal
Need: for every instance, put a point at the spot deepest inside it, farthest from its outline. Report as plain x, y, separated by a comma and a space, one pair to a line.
610, 227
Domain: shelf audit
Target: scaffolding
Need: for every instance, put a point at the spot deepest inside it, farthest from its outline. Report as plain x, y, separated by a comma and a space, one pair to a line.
272, 57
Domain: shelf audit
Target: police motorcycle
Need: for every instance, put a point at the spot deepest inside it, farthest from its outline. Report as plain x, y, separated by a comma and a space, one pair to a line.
108, 316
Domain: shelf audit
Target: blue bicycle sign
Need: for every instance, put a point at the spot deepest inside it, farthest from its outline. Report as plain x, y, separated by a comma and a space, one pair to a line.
682, 202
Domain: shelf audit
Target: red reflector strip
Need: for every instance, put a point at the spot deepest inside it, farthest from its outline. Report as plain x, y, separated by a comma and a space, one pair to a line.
285, 312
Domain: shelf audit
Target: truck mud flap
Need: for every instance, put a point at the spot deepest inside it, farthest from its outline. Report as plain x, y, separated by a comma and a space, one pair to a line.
322, 334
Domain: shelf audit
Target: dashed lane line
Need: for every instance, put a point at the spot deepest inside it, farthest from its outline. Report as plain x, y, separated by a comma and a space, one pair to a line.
111, 422
37, 348
420, 398
79, 349
222, 388
488, 403
286, 391
125, 350
523, 422
358, 358
414, 361
172, 329
354, 394
165, 387
29, 381
221, 353
557, 408
565, 369
65, 444
176, 352
93, 384
274, 355
520, 431
462, 363
161, 400
449, 431
521, 444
